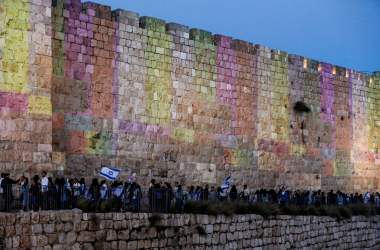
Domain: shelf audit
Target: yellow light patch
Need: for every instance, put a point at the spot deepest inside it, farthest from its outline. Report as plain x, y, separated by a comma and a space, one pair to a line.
14, 28
99, 143
40, 105
298, 149
183, 134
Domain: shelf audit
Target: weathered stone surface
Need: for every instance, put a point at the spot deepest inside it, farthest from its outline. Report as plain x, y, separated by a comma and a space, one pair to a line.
37, 228
70, 238
49, 228
86, 237
123, 235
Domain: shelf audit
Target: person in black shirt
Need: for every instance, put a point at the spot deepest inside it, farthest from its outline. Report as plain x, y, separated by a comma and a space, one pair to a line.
6, 186
35, 193
135, 197
52, 194
331, 198
233, 193
151, 194
167, 196
60, 187
1, 193
204, 196
94, 193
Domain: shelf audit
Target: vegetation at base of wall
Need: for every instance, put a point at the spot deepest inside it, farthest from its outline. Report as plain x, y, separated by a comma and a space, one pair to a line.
106, 206
230, 208
267, 210
85, 205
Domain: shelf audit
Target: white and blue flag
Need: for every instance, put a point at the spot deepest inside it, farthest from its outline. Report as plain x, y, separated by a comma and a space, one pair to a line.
109, 173
226, 183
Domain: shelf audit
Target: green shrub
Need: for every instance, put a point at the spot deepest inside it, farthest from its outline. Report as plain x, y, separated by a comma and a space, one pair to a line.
83, 204
192, 207
266, 209
104, 207
114, 204
203, 207
108, 205
273, 208
241, 208
378, 210
345, 212
333, 212
362, 209
290, 210
215, 209
372, 211
323, 211
227, 208
314, 211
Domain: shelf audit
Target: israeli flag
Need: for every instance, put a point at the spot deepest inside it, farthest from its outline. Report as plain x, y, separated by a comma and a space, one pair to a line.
109, 173
226, 183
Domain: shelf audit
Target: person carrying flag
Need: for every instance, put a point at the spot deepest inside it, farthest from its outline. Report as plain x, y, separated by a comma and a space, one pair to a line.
223, 194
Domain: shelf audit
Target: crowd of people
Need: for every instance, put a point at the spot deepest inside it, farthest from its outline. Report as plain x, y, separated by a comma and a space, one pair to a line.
44, 193
281, 197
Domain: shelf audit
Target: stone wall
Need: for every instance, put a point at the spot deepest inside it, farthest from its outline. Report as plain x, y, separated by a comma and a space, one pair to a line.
25, 86
170, 102
77, 230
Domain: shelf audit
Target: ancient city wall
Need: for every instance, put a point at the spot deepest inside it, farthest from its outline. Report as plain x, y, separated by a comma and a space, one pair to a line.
82, 86
25, 85
77, 230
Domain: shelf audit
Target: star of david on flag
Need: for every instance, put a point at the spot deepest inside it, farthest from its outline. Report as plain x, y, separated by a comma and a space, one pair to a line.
109, 173
226, 183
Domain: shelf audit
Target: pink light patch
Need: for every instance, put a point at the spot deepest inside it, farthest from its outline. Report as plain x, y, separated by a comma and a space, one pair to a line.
13, 102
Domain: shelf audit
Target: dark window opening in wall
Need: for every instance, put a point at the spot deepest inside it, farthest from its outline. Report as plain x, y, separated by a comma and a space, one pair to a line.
301, 107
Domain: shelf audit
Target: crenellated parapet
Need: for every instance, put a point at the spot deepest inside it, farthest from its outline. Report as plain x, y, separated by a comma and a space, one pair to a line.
134, 19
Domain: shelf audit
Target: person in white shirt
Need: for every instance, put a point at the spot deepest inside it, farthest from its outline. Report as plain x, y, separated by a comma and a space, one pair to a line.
377, 200
44, 182
245, 193
367, 197
103, 190
44, 189
1, 193
1, 180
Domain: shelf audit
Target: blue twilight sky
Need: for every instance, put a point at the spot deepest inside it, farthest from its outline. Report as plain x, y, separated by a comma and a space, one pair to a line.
342, 32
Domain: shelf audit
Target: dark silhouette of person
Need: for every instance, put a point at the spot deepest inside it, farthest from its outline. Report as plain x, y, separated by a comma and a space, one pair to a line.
233, 193
6, 185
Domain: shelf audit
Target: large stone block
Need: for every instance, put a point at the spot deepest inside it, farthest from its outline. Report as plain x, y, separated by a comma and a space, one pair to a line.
86, 237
